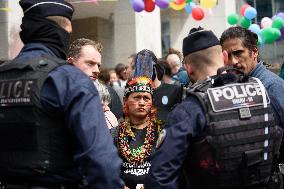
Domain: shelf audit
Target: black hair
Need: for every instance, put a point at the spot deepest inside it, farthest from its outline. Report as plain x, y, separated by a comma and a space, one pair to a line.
248, 38
160, 71
104, 75
120, 67
166, 67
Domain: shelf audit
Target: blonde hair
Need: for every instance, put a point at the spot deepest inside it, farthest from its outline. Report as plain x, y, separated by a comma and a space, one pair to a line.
205, 58
60, 20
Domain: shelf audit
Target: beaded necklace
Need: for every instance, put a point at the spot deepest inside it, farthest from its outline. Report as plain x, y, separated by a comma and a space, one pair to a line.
138, 157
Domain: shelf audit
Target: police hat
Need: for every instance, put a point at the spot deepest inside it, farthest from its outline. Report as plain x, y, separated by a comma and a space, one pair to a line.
47, 8
198, 39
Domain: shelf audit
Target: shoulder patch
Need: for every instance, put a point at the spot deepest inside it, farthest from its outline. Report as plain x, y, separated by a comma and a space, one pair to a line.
161, 138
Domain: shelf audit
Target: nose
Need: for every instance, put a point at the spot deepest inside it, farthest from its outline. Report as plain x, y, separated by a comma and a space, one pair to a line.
234, 60
96, 70
141, 102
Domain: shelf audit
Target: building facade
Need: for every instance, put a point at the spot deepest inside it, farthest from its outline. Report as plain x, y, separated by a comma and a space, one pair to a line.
123, 31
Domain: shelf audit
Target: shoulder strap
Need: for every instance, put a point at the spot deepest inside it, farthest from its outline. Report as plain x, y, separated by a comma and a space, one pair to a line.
200, 91
45, 64
201, 98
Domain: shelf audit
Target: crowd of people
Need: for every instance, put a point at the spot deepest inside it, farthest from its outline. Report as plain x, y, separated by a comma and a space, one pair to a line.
210, 117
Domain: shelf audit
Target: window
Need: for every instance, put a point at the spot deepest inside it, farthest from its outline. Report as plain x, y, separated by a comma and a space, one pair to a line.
279, 6
263, 7
165, 37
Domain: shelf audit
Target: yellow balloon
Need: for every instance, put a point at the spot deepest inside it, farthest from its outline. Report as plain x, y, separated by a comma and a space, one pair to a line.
208, 3
176, 7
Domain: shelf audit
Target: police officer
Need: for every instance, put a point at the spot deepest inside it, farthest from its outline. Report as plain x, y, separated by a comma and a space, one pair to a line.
223, 135
52, 127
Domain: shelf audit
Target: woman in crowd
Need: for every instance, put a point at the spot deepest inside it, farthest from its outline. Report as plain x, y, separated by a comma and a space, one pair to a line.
137, 134
105, 97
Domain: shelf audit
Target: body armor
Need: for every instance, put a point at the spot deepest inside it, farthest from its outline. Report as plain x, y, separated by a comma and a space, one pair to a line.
33, 142
241, 140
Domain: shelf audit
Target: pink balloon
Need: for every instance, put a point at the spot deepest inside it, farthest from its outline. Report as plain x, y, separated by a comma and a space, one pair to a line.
266, 22
243, 9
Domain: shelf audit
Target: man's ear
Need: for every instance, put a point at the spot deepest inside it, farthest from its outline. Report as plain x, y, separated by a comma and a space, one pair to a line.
226, 57
255, 54
70, 60
188, 68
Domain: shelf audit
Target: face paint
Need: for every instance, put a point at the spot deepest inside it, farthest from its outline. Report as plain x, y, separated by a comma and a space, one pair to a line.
139, 104
149, 104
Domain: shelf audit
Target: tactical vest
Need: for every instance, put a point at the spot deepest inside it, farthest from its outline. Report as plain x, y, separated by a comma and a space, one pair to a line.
241, 140
33, 142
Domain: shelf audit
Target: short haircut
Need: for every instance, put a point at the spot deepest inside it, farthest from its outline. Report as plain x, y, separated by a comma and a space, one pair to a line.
249, 39
174, 51
119, 68
175, 59
166, 66
111, 70
133, 55
76, 46
60, 20
204, 58
104, 75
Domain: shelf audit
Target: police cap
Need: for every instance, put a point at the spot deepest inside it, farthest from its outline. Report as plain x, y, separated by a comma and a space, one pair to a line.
47, 8
198, 39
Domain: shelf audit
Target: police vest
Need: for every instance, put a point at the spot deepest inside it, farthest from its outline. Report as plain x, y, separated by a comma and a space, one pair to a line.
240, 141
33, 142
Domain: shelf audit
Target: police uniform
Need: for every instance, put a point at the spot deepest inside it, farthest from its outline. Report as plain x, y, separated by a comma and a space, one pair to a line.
53, 130
196, 146
222, 136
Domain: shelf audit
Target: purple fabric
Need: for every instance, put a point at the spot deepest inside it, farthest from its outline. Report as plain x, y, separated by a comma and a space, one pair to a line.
144, 63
